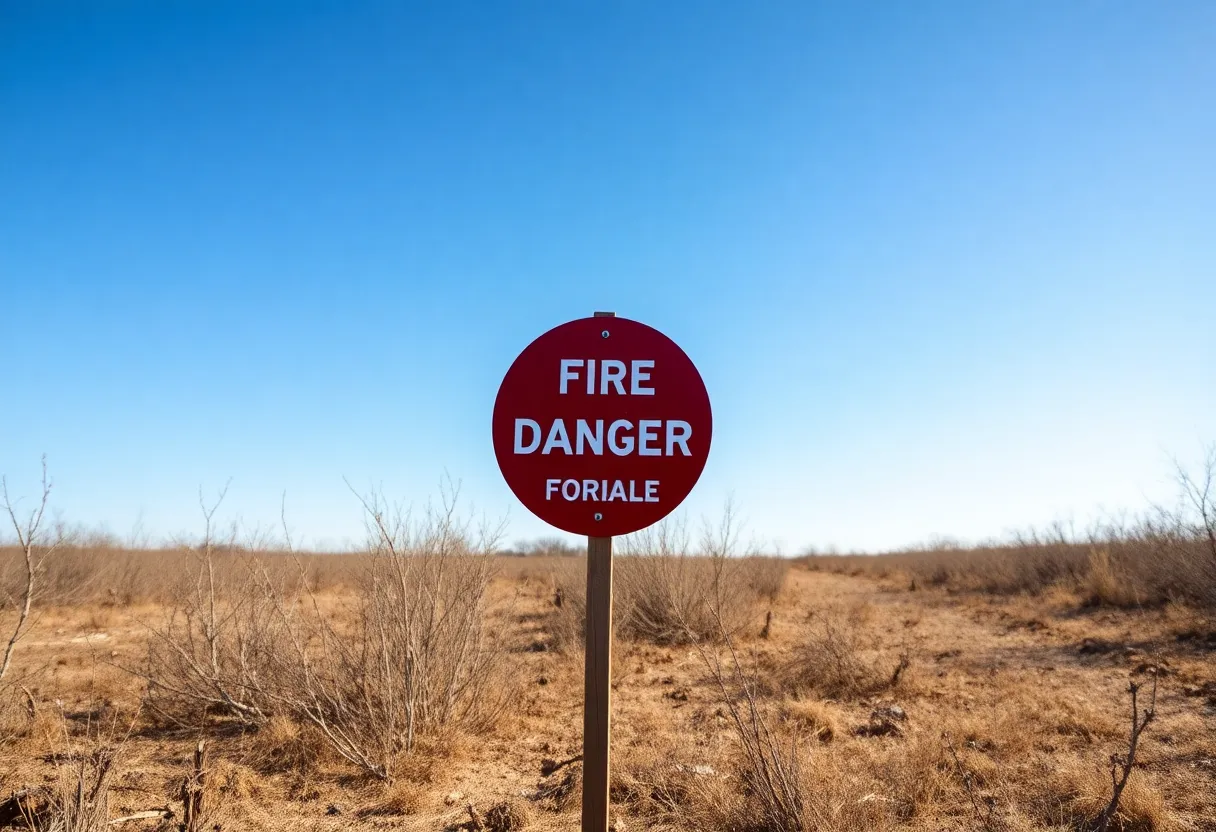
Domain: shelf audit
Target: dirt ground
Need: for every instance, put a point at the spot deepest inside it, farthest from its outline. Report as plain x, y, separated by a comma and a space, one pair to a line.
1008, 705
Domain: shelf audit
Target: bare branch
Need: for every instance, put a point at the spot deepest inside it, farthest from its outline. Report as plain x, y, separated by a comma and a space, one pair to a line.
28, 540
1121, 766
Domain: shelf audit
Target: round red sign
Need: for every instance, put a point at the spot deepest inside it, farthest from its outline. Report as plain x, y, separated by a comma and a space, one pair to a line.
602, 426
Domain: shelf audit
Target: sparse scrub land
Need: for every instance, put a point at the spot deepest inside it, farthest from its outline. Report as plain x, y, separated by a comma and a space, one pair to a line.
1168, 554
426, 682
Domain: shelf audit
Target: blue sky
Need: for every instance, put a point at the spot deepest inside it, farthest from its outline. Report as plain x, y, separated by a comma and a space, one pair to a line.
946, 268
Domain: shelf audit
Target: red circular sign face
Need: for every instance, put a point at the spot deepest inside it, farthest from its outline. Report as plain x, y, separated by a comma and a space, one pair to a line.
602, 426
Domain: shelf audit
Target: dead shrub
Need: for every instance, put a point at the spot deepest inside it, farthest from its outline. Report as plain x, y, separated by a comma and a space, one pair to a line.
672, 598
217, 652
85, 765
23, 577
835, 661
413, 657
507, 816
784, 788
665, 784
775, 797
417, 658
215, 659
665, 592
766, 576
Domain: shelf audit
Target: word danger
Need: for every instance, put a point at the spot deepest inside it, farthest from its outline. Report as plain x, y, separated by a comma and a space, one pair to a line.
654, 437
598, 491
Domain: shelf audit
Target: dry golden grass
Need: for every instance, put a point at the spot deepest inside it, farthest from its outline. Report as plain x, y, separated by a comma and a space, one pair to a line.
1005, 718
1147, 565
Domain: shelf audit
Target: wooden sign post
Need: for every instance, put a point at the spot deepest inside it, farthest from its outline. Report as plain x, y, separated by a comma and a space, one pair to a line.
601, 427
597, 685
597, 679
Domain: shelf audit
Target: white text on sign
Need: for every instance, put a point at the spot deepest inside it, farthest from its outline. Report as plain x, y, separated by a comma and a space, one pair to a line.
598, 491
589, 437
621, 437
612, 374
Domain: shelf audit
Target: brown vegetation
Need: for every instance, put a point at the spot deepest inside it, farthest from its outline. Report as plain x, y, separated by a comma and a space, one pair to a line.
1169, 554
425, 683
668, 592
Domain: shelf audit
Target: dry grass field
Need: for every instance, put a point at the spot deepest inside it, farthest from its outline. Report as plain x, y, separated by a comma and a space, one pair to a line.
1004, 716
428, 683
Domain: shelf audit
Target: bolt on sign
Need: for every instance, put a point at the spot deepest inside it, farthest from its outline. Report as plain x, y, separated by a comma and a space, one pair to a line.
601, 427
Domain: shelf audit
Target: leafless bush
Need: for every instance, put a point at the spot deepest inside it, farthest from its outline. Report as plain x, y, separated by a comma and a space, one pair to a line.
258, 643
776, 799
34, 551
836, 661
219, 649
767, 575
417, 659
667, 592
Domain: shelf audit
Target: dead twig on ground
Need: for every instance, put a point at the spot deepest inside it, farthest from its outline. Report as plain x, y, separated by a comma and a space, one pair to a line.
986, 815
1121, 765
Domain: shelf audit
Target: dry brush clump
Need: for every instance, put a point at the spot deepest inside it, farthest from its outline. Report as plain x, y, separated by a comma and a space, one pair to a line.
218, 650
836, 659
411, 658
418, 657
668, 592
76, 794
774, 794
785, 779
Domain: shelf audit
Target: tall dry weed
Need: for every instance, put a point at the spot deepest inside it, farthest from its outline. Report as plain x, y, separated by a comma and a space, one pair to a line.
668, 592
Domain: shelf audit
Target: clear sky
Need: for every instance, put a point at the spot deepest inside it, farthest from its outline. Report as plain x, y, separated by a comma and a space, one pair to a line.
946, 267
